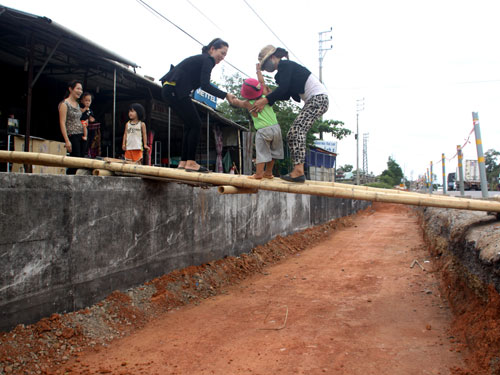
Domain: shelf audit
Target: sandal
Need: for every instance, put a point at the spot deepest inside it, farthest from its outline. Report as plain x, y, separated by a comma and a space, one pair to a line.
287, 177
199, 170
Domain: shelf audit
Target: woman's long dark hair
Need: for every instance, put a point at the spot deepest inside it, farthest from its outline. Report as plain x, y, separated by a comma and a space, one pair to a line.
72, 84
217, 43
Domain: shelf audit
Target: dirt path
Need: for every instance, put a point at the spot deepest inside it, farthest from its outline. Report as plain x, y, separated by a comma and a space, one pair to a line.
350, 305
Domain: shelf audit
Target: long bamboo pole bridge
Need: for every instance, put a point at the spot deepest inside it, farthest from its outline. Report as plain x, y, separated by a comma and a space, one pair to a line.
237, 184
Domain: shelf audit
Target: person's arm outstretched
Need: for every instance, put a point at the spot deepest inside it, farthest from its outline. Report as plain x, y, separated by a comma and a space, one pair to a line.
265, 90
240, 103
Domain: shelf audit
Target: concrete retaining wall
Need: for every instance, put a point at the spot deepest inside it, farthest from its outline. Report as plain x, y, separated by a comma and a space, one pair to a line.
66, 242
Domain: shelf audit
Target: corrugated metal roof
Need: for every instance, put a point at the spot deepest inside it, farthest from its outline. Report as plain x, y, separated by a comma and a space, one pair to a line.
48, 31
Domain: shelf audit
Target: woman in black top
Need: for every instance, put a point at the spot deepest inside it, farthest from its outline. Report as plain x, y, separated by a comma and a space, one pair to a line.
297, 82
178, 83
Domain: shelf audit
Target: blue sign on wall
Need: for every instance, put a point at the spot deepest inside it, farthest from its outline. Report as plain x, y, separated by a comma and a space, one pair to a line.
327, 145
205, 97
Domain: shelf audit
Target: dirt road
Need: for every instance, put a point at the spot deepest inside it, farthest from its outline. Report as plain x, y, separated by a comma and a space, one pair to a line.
351, 305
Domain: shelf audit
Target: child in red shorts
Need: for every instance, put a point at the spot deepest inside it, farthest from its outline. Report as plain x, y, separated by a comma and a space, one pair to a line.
134, 138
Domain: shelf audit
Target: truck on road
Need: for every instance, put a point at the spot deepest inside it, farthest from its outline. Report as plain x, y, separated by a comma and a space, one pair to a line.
451, 181
472, 181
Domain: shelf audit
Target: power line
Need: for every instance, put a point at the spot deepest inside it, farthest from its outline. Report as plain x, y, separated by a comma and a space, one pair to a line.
158, 14
204, 15
154, 11
264, 22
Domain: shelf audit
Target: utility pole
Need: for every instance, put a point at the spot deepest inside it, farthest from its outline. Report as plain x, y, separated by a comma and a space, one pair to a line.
443, 159
322, 50
480, 155
360, 105
365, 154
428, 181
431, 179
460, 170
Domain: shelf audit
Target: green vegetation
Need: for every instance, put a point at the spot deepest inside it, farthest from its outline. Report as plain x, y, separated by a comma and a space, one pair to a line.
492, 168
393, 175
347, 168
379, 184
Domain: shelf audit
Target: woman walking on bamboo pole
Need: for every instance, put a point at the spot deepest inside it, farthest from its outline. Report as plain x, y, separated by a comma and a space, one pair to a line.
188, 75
297, 82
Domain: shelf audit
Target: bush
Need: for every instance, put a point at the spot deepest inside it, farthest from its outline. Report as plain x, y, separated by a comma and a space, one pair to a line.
381, 185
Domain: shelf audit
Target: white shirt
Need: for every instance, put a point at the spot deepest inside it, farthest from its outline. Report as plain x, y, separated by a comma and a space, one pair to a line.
312, 87
134, 136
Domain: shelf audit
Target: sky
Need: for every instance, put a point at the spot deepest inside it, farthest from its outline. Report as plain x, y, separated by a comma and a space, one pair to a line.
420, 67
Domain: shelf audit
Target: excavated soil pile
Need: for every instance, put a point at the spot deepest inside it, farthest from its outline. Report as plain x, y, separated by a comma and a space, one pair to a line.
466, 246
49, 344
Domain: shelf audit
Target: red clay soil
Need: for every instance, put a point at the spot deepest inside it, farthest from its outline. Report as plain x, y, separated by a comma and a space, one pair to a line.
476, 322
337, 299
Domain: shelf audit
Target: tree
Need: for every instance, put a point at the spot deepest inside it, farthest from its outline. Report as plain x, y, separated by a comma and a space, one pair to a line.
393, 174
347, 168
492, 168
239, 115
333, 127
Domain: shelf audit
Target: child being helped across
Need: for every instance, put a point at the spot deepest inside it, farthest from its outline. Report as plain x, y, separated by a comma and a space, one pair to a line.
134, 138
268, 139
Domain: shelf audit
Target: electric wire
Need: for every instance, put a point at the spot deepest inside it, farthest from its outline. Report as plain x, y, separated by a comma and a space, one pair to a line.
204, 15
467, 141
158, 14
155, 12
264, 22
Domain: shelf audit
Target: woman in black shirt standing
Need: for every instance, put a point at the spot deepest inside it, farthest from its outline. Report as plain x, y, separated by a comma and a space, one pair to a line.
190, 74
296, 82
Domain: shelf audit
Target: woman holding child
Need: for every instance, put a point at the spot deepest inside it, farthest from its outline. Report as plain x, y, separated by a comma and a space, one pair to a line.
71, 127
297, 82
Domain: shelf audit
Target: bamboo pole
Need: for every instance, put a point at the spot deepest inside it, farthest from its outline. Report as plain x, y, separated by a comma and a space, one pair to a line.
102, 172
369, 188
244, 182
228, 189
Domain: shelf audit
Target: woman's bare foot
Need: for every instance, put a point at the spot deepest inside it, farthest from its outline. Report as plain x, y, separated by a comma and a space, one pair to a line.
268, 176
182, 165
256, 177
191, 165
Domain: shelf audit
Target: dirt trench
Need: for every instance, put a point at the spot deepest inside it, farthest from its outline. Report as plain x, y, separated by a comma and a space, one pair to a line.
340, 298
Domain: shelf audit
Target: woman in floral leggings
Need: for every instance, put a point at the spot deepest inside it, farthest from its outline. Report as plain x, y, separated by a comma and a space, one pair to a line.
297, 82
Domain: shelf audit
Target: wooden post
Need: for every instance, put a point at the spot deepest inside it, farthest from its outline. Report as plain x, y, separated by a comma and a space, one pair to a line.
27, 133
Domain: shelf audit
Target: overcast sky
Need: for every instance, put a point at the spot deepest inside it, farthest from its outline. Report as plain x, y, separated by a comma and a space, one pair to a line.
422, 67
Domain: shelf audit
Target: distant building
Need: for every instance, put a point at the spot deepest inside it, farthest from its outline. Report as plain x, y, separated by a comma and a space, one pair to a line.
320, 164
